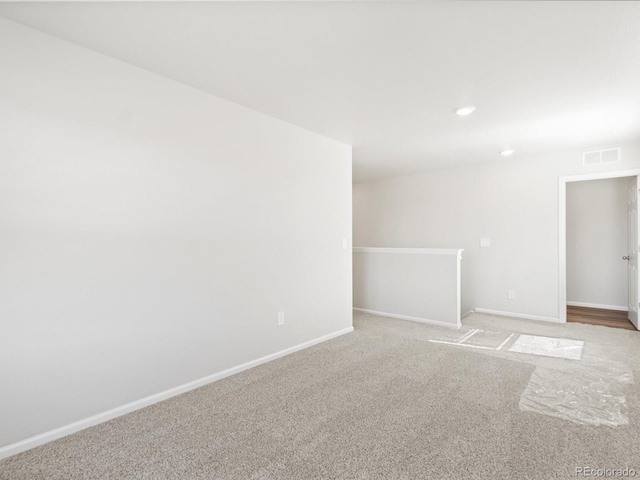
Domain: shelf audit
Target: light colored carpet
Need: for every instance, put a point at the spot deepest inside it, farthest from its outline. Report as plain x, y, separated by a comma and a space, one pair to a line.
382, 402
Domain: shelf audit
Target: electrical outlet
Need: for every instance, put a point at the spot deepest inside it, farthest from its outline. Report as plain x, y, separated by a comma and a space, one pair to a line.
345, 244
511, 294
280, 319
485, 242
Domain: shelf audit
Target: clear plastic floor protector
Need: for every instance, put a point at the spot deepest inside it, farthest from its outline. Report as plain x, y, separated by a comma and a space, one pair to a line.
548, 346
580, 373
581, 396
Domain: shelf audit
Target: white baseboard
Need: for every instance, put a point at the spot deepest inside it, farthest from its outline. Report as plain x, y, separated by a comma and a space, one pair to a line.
406, 317
37, 440
597, 305
519, 315
467, 314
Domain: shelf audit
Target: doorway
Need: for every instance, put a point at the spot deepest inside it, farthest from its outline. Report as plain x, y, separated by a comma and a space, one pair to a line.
597, 290
598, 235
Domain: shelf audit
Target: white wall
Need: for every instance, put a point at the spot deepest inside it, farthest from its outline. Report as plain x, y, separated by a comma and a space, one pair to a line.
150, 233
513, 202
416, 285
597, 241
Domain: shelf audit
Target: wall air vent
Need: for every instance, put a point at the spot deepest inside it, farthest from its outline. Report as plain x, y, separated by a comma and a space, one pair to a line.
598, 157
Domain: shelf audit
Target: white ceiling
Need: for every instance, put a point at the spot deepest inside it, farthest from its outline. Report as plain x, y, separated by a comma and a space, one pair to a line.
386, 77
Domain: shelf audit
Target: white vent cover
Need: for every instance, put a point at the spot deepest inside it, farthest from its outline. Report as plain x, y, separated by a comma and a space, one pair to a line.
597, 157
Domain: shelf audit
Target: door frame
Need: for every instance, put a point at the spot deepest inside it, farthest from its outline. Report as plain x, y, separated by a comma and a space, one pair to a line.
562, 227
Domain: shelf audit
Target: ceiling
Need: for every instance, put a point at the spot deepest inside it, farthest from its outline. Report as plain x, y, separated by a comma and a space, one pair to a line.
386, 76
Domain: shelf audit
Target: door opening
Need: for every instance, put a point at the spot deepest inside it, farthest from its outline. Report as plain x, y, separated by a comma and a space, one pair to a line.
598, 235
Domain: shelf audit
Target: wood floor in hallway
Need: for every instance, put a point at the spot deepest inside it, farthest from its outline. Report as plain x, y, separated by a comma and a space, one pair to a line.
599, 316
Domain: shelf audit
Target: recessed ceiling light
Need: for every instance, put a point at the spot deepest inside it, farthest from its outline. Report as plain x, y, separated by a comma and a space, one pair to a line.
506, 153
464, 111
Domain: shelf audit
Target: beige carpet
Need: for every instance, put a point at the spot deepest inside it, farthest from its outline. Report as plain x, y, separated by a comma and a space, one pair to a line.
382, 402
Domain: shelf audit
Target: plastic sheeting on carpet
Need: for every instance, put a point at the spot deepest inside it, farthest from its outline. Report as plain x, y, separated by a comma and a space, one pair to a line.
548, 346
574, 379
581, 395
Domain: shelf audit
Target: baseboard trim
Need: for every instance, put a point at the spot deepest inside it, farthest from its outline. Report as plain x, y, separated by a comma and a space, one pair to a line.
467, 314
41, 439
406, 317
597, 305
525, 316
